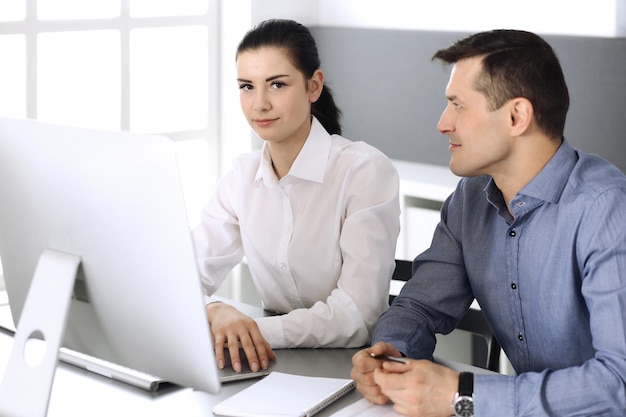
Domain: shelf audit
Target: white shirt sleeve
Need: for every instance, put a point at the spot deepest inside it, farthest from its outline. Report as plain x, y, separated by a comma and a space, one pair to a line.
217, 240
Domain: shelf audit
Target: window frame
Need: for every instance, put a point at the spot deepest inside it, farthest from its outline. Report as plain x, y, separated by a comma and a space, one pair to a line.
31, 27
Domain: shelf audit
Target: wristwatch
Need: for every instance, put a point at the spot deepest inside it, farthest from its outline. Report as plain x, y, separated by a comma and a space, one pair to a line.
463, 403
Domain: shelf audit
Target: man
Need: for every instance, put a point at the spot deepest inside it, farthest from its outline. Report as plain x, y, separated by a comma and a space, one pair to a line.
535, 231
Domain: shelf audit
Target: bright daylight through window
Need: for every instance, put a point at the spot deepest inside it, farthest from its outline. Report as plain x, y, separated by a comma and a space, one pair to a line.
139, 65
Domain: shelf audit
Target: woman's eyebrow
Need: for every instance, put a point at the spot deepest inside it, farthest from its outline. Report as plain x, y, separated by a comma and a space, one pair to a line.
272, 78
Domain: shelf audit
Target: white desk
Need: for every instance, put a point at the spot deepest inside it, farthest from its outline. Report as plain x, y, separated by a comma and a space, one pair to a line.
76, 392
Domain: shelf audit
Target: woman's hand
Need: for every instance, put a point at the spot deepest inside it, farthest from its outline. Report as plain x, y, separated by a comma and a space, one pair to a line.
232, 329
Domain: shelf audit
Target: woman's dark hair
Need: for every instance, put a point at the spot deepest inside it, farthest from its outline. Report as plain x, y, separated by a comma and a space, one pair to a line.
298, 43
517, 64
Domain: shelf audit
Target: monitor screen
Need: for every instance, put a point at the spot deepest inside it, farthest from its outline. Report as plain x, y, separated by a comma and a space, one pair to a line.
114, 201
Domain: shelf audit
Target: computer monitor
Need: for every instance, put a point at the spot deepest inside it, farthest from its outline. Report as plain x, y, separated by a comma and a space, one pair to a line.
97, 221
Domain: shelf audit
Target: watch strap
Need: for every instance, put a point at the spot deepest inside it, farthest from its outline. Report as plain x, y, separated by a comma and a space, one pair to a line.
466, 384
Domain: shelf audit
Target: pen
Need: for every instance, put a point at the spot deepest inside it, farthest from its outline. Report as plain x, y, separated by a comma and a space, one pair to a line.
388, 358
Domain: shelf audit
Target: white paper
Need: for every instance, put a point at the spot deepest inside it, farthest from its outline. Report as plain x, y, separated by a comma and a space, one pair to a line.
364, 408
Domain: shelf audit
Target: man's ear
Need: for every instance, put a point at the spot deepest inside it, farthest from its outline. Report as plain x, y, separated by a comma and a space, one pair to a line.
316, 85
521, 114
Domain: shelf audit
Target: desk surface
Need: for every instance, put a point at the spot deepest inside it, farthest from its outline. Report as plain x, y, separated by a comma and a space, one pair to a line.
77, 392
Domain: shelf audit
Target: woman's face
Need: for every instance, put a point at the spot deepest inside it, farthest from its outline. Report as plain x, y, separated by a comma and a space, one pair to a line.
275, 97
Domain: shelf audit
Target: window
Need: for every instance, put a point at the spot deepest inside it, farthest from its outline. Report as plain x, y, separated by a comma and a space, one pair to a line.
138, 65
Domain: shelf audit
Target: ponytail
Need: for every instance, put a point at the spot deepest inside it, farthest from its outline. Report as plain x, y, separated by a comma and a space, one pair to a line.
327, 112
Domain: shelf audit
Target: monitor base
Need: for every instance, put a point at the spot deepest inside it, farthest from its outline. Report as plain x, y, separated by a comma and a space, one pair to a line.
27, 383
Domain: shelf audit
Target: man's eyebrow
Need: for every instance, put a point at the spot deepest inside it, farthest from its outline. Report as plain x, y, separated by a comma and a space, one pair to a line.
451, 97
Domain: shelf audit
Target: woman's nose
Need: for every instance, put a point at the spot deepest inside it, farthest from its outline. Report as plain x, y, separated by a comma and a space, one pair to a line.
261, 103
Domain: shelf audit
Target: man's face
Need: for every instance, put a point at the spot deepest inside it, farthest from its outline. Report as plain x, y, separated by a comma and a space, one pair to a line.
479, 140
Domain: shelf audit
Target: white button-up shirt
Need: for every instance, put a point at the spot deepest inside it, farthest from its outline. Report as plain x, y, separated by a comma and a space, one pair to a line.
320, 243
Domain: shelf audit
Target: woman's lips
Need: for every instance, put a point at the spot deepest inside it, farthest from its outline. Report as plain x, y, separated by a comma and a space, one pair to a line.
264, 122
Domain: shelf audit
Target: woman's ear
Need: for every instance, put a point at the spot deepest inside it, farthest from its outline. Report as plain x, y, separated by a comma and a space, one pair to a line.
522, 114
315, 85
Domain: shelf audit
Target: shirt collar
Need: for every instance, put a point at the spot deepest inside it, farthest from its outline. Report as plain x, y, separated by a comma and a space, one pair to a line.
310, 164
549, 183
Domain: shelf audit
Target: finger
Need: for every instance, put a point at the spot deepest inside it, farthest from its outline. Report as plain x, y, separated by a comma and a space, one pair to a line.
396, 367
264, 352
360, 359
363, 362
270, 352
233, 350
391, 384
219, 351
379, 399
373, 394
380, 348
250, 352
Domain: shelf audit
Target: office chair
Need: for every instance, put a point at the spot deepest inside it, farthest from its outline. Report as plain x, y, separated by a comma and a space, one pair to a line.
473, 322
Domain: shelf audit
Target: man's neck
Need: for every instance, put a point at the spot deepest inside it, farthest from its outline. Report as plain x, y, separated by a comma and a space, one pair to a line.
529, 160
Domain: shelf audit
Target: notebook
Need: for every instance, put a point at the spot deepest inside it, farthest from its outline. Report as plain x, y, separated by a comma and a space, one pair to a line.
286, 395
364, 408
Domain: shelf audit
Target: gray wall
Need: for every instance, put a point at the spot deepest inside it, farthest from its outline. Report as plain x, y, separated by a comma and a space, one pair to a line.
392, 94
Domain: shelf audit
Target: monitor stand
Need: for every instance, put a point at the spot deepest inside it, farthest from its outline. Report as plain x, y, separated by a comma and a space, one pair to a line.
27, 384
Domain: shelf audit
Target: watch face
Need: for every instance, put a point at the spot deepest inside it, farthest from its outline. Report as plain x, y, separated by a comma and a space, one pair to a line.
464, 407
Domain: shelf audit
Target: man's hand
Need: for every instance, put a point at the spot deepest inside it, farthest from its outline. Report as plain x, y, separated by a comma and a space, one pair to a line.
418, 387
363, 367
415, 387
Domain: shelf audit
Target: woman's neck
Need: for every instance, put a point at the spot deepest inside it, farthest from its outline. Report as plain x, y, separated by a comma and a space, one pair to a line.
285, 152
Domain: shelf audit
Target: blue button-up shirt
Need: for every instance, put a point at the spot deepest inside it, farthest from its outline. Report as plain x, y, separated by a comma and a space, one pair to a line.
551, 280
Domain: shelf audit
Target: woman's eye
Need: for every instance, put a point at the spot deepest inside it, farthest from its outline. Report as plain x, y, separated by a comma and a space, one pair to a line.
245, 87
277, 84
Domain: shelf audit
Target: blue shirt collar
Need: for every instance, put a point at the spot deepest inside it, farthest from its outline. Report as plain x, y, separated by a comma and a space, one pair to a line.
549, 183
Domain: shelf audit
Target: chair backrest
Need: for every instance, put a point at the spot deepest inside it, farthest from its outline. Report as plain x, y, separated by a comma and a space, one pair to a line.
473, 322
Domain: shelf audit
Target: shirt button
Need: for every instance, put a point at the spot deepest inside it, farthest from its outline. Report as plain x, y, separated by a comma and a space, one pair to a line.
513, 286
282, 266
520, 337
512, 233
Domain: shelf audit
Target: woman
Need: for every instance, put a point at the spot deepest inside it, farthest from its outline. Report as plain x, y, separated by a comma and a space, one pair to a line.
315, 215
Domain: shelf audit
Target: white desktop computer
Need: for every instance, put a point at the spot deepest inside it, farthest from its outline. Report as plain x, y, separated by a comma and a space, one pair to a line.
97, 257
